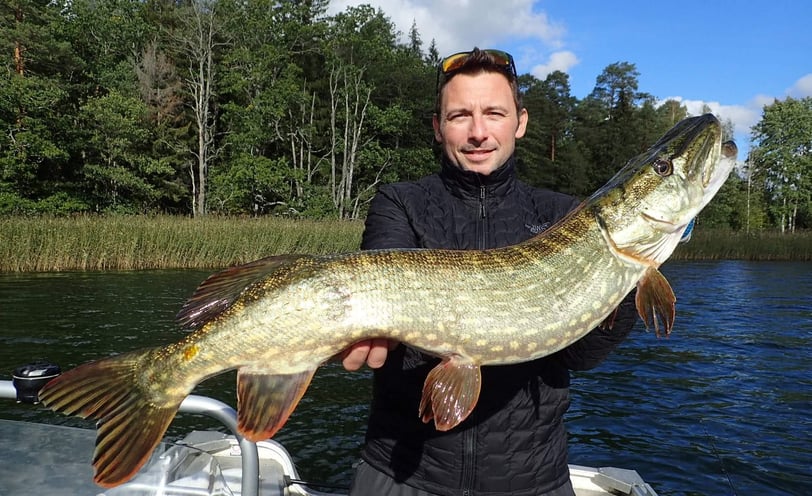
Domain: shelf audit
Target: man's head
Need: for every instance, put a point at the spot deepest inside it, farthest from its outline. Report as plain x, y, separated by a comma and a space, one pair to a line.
479, 114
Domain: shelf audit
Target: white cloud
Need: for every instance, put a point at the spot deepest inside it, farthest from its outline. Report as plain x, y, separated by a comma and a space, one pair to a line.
558, 61
458, 25
802, 87
759, 101
743, 117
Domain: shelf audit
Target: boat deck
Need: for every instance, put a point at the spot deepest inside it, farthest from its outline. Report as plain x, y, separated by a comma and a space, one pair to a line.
39, 459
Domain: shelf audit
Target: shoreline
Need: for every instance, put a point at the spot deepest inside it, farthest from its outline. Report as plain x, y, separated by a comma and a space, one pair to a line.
89, 243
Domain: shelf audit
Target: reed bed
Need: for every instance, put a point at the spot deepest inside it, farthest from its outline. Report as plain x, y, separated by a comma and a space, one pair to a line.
725, 244
47, 244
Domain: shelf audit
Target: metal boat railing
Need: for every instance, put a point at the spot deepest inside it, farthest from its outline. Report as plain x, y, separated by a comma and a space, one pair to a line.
612, 480
210, 407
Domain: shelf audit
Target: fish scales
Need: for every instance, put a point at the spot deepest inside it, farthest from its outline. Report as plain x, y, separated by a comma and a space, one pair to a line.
420, 293
277, 319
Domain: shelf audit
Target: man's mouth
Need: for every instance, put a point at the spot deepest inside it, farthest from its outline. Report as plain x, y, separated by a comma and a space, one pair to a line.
477, 152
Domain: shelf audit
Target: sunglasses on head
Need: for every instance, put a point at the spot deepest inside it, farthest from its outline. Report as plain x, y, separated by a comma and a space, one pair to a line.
453, 63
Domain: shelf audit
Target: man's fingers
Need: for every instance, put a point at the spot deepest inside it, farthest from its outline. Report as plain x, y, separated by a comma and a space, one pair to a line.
377, 353
373, 352
355, 356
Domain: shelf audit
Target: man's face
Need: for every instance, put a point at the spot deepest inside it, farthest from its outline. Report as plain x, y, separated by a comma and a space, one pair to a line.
478, 124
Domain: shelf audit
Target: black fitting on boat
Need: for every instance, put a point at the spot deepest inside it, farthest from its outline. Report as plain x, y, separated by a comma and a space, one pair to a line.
28, 379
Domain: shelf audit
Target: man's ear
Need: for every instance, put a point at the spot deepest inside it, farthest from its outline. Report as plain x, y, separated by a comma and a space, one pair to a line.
435, 123
522, 128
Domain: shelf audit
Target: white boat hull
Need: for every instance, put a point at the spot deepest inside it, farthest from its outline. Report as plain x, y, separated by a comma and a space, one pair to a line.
49, 459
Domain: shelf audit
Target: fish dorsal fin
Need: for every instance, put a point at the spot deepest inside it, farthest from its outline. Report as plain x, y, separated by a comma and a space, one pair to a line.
655, 301
450, 393
219, 291
265, 400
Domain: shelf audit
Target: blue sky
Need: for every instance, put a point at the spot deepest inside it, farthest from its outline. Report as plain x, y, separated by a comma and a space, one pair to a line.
733, 56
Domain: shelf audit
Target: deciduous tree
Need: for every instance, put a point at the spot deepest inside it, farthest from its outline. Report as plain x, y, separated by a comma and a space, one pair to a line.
784, 153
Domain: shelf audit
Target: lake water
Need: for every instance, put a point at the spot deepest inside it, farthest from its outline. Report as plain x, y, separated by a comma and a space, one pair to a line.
723, 407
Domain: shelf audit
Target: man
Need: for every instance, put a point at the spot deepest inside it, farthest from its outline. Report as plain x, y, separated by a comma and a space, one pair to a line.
514, 442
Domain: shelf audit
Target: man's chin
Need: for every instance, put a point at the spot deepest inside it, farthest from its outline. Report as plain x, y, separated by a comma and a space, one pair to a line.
483, 168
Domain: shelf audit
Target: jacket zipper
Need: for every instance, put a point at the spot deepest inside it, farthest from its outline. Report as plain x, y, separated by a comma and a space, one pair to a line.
468, 465
469, 436
482, 217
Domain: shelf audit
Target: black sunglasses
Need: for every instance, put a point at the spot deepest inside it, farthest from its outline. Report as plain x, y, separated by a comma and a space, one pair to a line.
451, 64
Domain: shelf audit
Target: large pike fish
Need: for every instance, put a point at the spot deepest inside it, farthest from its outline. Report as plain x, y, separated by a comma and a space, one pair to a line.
278, 319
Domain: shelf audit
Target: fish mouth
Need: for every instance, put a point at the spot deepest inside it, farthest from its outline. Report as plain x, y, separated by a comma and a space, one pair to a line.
661, 224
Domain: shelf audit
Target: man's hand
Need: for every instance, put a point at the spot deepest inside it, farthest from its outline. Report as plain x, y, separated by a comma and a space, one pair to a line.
371, 351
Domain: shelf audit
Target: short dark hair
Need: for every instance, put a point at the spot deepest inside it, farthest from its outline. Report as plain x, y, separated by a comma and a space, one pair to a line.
475, 62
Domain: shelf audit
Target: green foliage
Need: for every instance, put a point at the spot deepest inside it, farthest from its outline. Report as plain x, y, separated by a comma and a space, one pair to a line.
306, 115
32, 147
60, 203
118, 175
616, 122
726, 209
253, 184
548, 155
784, 155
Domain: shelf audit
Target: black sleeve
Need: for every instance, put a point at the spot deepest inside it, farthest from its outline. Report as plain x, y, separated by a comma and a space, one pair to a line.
592, 349
387, 224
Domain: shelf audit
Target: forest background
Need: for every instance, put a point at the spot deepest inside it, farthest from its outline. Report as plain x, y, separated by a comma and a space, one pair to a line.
267, 107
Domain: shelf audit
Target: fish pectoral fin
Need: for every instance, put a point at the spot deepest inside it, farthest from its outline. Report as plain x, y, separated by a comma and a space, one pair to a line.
655, 301
450, 393
130, 424
609, 322
265, 401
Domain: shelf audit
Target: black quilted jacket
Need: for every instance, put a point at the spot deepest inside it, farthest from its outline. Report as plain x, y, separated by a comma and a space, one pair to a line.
514, 441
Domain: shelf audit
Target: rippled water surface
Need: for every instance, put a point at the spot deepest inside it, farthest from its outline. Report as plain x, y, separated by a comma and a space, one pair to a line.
723, 407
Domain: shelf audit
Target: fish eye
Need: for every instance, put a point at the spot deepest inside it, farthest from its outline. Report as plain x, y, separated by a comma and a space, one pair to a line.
663, 167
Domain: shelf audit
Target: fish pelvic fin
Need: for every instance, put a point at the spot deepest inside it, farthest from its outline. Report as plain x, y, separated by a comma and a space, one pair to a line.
265, 401
655, 301
450, 393
130, 425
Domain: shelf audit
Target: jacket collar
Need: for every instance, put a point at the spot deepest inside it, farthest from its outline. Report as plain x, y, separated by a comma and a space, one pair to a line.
467, 184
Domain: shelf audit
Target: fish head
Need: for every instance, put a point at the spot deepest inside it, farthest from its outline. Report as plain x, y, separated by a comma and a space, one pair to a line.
645, 208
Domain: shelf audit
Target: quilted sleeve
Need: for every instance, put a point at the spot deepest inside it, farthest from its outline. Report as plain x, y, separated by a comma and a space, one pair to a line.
387, 224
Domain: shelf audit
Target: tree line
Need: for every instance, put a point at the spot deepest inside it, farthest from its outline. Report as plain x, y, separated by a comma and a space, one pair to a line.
274, 107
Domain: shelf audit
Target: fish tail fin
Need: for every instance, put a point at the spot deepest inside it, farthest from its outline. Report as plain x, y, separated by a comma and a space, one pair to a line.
130, 424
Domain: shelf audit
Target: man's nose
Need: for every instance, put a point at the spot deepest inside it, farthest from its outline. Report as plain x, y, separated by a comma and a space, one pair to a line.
479, 129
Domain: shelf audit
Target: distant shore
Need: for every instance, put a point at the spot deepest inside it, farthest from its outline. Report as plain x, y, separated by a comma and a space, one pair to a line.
49, 244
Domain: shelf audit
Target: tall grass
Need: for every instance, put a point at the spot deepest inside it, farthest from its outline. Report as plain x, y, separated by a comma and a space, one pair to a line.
719, 244
126, 243
44, 244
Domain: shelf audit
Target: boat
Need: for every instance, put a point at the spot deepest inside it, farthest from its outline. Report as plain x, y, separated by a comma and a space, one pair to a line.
55, 459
